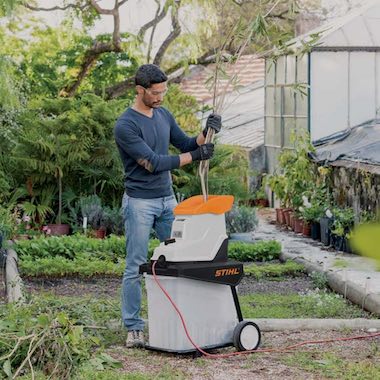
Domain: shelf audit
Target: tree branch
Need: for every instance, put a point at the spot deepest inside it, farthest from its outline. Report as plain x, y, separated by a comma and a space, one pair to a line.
172, 36
55, 8
152, 23
150, 45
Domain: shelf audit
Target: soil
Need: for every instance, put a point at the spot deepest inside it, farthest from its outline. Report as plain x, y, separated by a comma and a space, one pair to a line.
110, 286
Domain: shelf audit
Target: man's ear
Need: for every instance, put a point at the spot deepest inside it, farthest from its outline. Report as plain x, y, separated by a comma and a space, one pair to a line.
139, 90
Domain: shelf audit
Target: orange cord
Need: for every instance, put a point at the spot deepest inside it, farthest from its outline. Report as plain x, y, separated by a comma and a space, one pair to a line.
219, 356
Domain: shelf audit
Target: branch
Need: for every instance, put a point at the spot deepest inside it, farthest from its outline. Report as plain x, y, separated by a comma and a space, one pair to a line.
172, 36
118, 89
90, 59
175, 74
152, 23
55, 8
153, 31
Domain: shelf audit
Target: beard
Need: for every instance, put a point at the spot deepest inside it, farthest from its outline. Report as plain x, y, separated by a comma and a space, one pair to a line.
150, 103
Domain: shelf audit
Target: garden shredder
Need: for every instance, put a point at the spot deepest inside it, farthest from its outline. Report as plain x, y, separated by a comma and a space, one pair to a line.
192, 266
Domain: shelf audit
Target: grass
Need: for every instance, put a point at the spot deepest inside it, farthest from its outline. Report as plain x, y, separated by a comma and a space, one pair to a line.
289, 268
341, 263
330, 366
312, 304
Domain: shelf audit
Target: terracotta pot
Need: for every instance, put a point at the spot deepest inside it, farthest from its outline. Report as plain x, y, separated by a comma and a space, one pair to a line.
262, 202
280, 216
59, 229
298, 225
100, 234
306, 229
287, 214
291, 218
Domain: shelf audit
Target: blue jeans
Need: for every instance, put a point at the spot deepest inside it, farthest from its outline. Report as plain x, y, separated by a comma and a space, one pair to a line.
140, 216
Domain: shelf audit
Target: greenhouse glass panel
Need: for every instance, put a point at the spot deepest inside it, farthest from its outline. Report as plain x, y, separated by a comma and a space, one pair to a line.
270, 71
302, 69
280, 70
289, 101
269, 101
277, 131
301, 104
362, 106
278, 105
290, 69
301, 124
269, 131
329, 93
289, 127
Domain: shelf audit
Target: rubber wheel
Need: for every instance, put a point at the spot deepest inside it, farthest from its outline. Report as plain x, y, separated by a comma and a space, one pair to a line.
247, 336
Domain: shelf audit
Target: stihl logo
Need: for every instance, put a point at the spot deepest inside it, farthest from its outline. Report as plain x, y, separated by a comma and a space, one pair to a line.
226, 272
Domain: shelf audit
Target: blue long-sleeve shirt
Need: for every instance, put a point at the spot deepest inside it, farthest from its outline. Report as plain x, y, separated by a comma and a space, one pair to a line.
143, 143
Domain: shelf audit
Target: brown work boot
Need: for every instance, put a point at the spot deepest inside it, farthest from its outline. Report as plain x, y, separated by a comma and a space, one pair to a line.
135, 339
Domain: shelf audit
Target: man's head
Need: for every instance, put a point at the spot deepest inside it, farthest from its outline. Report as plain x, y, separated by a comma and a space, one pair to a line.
150, 85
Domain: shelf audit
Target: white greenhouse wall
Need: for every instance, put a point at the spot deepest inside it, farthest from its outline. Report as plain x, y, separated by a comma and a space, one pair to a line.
344, 90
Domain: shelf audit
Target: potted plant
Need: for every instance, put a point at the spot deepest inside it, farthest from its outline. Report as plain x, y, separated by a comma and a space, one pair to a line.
92, 213
277, 184
241, 221
341, 227
311, 214
261, 198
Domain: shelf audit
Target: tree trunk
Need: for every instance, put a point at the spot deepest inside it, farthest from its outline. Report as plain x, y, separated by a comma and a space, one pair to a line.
59, 199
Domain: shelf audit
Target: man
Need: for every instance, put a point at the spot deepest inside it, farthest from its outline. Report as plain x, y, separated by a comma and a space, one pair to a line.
142, 134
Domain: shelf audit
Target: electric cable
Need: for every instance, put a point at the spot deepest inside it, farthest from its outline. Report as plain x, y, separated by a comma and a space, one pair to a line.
220, 356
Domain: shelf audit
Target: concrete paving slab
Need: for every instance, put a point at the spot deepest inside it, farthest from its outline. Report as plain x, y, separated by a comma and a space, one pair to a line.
354, 276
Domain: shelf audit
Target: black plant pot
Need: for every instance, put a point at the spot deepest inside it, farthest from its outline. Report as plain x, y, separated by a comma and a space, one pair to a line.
338, 243
325, 224
315, 231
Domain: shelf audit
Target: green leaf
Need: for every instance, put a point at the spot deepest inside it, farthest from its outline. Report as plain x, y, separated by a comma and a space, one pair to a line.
7, 368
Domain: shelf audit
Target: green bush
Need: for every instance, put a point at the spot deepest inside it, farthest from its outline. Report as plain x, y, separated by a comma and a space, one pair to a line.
260, 251
289, 268
241, 219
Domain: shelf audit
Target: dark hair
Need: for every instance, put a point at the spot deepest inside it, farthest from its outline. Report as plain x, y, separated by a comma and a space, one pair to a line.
149, 74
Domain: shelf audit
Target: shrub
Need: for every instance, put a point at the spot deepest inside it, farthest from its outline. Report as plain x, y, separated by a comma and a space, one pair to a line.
241, 219
260, 251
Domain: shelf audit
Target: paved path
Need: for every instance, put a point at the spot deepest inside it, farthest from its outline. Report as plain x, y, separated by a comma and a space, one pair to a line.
351, 275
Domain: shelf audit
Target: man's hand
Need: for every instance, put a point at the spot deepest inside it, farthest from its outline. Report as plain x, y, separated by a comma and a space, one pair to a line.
203, 152
214, 121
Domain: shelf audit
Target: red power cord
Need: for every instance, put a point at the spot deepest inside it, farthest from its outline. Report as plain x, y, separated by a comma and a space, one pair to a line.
219, 356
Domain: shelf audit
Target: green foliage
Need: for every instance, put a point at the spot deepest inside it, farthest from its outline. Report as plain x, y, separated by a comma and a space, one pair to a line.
328, 365
311, 304
298, 173
7, 223
228, 174
260, 251
41, 335
241, 219
74, 255
63, 140
343, 221
184, 108
319, 279
69, 247
289, 268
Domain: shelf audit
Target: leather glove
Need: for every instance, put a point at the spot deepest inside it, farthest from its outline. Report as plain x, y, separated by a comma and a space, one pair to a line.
214, 121
203, 152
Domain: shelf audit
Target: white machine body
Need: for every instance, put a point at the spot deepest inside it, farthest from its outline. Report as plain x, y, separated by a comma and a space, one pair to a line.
197, 238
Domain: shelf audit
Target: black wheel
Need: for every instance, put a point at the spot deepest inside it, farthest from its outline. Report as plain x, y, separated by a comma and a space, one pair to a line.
246, 336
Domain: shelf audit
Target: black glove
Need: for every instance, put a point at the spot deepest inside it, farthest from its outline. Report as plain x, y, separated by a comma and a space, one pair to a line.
214, 121
203, 152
